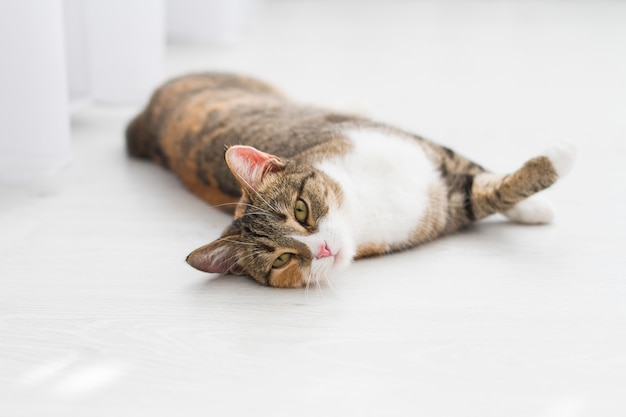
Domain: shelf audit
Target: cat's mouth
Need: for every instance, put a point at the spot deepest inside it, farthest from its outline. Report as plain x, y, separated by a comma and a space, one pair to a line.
330, 259
336, 257
323, 268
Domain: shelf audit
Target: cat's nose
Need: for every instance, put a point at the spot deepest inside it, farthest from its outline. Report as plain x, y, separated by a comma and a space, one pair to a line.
324, 251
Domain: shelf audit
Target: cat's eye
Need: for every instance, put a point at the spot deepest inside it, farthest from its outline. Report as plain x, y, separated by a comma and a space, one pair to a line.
301, 211
282, 260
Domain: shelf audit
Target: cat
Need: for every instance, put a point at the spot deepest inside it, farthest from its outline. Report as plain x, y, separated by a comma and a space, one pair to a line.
312, 190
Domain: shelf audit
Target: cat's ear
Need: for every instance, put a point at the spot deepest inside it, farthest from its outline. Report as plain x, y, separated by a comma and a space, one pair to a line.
217, 257
250, 165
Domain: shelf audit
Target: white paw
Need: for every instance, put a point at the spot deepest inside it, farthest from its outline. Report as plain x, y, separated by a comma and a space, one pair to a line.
562, 155
533, 210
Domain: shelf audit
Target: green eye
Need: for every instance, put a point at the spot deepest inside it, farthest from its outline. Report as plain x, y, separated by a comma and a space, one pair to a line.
301, 211
281, 260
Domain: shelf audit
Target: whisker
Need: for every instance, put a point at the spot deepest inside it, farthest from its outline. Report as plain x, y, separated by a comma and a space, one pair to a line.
225, 204
239, 260
254, 206
231, 239
243, 243
330, 284
250, 255
260, 209
306, 290
258, 194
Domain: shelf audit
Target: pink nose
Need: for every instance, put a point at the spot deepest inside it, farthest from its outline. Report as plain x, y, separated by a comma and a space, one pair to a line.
324, 251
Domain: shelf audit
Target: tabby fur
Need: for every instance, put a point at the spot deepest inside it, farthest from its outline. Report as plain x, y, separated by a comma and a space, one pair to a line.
242, 146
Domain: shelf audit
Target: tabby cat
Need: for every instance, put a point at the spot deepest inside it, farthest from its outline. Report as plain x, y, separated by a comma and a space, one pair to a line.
310, 189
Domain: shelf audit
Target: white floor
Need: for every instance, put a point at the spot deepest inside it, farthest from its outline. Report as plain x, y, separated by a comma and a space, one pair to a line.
100, 315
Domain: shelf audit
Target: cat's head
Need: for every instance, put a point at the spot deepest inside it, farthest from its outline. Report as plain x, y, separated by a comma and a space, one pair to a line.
287, 229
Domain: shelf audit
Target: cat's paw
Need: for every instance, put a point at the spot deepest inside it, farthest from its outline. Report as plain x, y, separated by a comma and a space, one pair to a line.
562, 155
533, 210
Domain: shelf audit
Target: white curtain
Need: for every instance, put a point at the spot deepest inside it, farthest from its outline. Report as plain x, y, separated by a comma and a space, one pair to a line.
34, 123
115, 49
108, 51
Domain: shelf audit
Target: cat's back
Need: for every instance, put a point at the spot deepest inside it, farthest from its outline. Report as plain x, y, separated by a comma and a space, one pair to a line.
190, 120
190, 99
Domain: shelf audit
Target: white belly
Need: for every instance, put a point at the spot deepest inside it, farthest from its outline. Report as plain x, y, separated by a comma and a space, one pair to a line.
385, 180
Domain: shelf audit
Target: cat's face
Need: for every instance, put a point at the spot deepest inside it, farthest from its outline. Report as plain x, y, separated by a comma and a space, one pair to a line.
287, 230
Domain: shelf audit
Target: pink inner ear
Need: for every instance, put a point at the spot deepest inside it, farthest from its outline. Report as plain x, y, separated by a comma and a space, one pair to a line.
251, 154
249, 164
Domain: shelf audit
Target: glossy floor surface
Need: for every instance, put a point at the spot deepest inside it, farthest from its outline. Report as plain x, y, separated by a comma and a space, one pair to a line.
100, 315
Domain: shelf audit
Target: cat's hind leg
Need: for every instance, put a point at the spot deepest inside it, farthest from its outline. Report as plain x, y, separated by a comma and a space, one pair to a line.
508, 194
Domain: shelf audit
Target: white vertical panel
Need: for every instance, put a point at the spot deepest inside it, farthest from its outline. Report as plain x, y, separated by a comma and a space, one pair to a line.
77, 45
126, 48
34, 120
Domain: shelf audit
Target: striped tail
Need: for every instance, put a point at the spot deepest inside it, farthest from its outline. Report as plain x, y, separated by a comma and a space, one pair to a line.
140, 143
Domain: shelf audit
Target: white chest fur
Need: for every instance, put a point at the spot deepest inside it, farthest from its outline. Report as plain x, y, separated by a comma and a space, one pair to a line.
385, 181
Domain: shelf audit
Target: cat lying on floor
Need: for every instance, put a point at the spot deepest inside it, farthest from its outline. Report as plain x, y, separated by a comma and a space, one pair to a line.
312, 190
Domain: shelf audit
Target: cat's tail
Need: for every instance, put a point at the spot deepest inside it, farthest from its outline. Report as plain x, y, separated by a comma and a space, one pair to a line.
139, 142
509, 194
